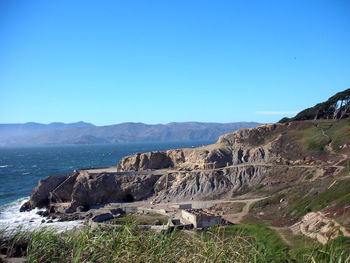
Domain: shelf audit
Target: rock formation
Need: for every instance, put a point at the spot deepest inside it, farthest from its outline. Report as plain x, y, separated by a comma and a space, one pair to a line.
318, 226
266, 155
267, 144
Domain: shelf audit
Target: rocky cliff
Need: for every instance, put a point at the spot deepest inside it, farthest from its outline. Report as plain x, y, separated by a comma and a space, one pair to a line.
267, 144
264, 156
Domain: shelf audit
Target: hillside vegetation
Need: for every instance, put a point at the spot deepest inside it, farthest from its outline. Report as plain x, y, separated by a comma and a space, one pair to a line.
336, 107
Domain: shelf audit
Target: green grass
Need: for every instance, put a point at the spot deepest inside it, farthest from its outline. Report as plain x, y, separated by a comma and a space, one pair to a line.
343, 201
302, 250
340, 133
338, 194
269, 201
273, 247
260, 186
335, 251
312, 139
128, 244
309, 177
237, 207
141, 219
238, 243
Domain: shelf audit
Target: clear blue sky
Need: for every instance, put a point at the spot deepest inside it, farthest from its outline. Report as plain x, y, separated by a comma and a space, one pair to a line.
162, 61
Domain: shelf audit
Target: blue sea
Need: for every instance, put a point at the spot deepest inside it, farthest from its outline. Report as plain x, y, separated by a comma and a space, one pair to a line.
22, 168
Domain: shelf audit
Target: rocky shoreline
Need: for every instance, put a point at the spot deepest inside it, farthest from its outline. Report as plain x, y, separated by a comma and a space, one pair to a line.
239, 161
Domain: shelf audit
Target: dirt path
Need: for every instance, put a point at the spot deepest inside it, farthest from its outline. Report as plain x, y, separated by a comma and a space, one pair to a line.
236, 218
5, 259
329, 146
282, 235
114, 169
345, 157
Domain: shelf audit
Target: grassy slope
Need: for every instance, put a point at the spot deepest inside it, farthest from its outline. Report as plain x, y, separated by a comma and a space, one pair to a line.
340, 133
338, 196
313, 138
131, 245
240, 243
289, 202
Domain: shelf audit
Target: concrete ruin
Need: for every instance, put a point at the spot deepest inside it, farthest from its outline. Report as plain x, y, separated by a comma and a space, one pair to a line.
199, 218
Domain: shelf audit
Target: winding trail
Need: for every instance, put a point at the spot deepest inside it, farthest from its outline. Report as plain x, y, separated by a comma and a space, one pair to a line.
282, 235
114, 170
236, 218
329, 146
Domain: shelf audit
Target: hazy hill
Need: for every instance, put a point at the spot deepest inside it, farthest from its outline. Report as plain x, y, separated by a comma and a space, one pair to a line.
86, 133
30, 128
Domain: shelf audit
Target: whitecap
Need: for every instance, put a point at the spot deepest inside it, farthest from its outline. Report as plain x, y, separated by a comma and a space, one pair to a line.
3, 166
11, 218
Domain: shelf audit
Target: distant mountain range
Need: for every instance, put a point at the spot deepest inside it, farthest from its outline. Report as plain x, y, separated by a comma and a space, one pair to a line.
86, 133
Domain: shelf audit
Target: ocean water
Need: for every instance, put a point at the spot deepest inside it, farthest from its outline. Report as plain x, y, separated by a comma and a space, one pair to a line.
22, 168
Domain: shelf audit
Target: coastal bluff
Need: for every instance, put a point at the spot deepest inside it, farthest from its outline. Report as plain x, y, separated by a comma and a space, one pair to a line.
264, 156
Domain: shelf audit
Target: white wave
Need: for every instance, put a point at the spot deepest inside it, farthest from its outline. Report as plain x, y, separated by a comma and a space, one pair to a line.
3, 166
11, 219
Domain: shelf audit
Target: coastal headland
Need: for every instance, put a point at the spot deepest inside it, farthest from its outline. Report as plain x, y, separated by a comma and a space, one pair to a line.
250, 164
285, 185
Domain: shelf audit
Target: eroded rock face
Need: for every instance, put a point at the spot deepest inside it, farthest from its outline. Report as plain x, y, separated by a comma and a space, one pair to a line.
241, 160
254, 146
88, 189
40, 196
180, 186
206, 185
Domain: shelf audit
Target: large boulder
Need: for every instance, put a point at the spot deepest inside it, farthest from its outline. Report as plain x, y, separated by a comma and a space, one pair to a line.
27, 206
102, 217
145, 161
